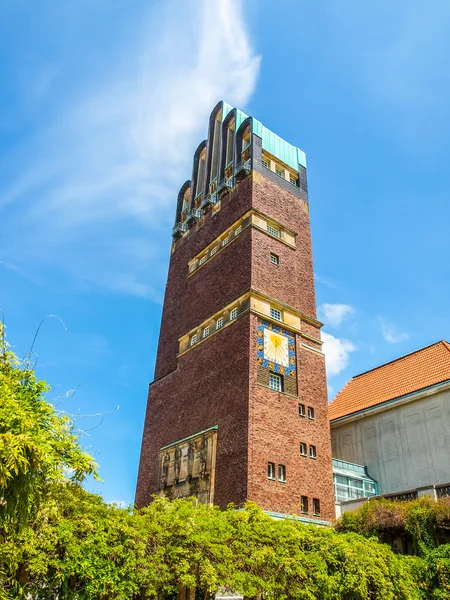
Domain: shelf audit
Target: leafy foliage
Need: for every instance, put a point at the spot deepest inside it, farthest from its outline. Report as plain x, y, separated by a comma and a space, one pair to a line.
57, 541
38, 448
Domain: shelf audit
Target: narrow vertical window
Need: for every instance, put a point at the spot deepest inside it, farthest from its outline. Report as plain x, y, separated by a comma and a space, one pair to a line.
215, 146
316, 507
230, 143
194, 339
219, 323
312, 452
271, 470
310, 413
304, 504
281, 473
301, 410
303, 449
200, 172
206, 332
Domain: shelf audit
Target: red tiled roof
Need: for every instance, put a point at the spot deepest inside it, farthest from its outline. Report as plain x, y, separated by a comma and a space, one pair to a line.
407, 374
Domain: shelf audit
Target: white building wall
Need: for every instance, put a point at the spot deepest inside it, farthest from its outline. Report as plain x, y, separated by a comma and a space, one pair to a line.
404, 446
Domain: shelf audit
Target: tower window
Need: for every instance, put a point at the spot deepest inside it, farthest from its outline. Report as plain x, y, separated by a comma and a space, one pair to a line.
206, 332
312, 452
202, 260
304, 504
293, 181
276, 314
194, 339
233, 313
316, 507
271, 470
219, 323
274, 259
281, 473
310, 413
213, 251
238, 230
303, 449
301, 410
276, 382
265, 163
273, 231
279, 171
225, 240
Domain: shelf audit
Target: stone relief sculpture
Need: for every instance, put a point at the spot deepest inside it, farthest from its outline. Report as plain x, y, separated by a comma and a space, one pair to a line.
177, 462
190, 458
187, 467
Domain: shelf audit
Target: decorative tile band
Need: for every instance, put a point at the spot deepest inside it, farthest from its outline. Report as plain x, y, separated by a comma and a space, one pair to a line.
287, 318
252, 218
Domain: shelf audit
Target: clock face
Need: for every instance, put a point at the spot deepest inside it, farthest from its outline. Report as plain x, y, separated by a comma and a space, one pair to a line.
276, 347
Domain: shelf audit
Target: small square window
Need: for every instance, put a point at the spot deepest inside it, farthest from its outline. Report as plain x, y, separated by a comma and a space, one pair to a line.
274, 259
304, 504
233, 314
202, 260
219, 323
312, 452
276, 382
301, 410
213, 251
281, 473
238, 230
310, 412
273, 231
271, 470
303, 448
316, 507
194, 339
279, 171
225, 240
206, 332
265, 163
276, 314
293, 181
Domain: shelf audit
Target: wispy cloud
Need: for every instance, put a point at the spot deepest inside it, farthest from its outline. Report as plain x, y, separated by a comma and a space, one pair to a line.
334, 314
337, 351
95, 189
391, 332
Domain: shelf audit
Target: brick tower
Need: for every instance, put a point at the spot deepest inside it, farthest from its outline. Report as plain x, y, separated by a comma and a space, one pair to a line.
238, 407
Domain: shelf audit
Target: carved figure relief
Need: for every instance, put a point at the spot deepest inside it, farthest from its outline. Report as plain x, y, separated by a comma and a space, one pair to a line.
187, 468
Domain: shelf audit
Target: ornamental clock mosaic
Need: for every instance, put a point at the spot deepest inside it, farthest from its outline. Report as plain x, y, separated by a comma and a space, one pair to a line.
276, 348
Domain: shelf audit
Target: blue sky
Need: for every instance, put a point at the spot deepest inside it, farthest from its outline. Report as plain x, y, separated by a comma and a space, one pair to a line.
102, 104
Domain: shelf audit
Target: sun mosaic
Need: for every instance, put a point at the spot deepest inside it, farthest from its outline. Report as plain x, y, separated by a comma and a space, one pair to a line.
276, 348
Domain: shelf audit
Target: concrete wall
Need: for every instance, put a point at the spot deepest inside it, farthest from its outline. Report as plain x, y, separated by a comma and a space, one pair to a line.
404, 447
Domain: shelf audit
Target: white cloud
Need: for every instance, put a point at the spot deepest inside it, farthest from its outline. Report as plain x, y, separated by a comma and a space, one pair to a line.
334, 314
96, 188
391, 332
337, 352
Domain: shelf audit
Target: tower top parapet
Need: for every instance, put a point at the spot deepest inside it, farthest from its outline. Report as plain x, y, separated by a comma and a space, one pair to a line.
236, 144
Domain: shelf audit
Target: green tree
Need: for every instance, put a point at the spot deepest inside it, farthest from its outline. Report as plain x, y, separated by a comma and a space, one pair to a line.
38, 446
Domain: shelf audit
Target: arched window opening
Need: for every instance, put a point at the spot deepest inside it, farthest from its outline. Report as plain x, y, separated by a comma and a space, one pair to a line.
200, 176
246, 144
215, 152
185, 205
229, 153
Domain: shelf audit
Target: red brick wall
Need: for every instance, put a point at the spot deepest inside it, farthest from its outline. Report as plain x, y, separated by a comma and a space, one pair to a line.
293, 282
275, 433
209, 387
214, 383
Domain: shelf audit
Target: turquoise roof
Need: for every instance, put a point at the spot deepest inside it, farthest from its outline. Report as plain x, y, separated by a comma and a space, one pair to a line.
271, 142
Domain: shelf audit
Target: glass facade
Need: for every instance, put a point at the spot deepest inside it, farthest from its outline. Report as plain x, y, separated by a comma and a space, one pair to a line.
351, 481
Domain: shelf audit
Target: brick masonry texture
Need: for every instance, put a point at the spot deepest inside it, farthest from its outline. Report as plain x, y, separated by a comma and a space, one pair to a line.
216, 382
